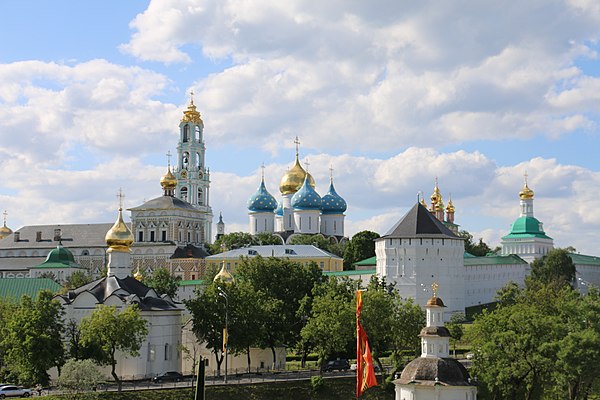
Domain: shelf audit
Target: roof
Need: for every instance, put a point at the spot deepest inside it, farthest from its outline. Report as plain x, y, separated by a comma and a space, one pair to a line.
367, 261
72, 236
165, 203
494, 260
15, 288
418, 222
278, 250
333, 203
583, 259
59, 257
432, 370
19, 263
191, 282
350, 273
262, 200
526, 227
127, 289
189, 251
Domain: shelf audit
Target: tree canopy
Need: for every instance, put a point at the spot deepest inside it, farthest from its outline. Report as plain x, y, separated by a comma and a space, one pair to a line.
236, 240
479, 249
163, 282
555, 267
110, 330
360, 247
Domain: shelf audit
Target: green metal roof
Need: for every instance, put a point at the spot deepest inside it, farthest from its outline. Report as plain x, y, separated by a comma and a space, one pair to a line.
14, 288
526, 227
59, 257
494, 260
367, 261
350, 273
583, 259
191, 282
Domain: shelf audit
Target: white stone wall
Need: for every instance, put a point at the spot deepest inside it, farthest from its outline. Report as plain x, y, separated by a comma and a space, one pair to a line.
436, 392
261, 222
416, 263
482, 282
332, 224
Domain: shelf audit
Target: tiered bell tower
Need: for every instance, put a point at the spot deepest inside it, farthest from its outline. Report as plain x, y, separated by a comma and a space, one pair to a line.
193, 178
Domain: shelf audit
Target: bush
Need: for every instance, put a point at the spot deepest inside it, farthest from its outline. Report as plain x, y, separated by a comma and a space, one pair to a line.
317, 383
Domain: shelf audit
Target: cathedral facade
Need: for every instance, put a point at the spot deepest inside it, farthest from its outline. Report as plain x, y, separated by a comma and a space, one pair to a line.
301, 210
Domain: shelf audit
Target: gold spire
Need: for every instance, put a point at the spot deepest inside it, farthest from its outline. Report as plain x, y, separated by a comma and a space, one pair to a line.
138, 275
526, 193
191, 114
224, 275
119, 237
436, 193
435, 300
293, 179
450, 206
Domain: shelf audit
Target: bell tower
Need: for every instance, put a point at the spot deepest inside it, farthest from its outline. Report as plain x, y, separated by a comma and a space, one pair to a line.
193, 178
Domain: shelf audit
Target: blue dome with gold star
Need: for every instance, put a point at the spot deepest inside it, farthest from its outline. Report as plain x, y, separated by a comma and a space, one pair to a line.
333, 203
306, 198
262, 200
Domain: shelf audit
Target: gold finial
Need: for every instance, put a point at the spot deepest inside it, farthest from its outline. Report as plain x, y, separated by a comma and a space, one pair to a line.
262, 173
331, 172
307, 164
191, 114
138, 275
192, 97
526, 193
119, 237
450, 207
169, 158
5, 215
224, 275
434, 287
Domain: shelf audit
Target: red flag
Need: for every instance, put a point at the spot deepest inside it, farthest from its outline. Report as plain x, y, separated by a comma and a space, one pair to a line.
365, 373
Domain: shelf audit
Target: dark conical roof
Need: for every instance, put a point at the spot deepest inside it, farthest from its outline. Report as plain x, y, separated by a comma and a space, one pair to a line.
419, 222
432, 370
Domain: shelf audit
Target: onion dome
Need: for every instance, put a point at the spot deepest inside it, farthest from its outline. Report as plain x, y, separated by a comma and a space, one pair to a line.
526, 193
279, 210
435, 302
307, 197
191, 114
294, 178
439, 206
224, 275
262, 201
332, 203
5, 231
168, 181
450, 207
119, 237
446, 371
436, 193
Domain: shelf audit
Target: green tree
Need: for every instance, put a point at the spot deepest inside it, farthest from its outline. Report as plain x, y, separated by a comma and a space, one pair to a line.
479, 249
208, 320
75, 280
556, 267
283, 284
409, 319
330, 328
163, 282
32, 339
112, 331
456, 329
78, 376
264, 239
231, 241
360, 247
315, 240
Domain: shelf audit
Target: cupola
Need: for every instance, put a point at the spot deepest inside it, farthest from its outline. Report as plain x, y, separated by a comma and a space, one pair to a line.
262, 200
307, 197
119, 237
333, 203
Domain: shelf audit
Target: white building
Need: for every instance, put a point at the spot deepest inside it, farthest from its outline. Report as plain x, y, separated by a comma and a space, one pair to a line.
160, 352
301, 209
435, 375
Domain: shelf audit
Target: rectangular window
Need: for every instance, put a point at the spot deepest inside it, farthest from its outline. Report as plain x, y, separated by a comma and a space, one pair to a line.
140, 236
151, 352
152, 236
164, 236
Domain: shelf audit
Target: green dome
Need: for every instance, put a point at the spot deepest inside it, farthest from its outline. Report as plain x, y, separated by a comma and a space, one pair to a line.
60, 255
527, 226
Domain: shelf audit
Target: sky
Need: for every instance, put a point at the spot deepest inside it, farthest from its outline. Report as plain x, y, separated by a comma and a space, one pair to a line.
391, 95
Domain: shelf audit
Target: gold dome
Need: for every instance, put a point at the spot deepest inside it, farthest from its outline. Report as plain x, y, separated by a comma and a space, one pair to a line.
168, 181
5, 231
294, 178
435, 301
450, 207
138, 275
224, 275
436, 196
191, 114
119, 237
526, 193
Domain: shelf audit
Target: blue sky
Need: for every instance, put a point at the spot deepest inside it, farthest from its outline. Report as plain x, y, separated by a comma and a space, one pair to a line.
390, 95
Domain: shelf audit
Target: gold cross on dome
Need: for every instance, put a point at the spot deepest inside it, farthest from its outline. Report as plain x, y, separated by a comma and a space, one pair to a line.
192, 96
5, 215
307, 164
121, 196
297, 142
169, 157
262, 167
435, 286
525, 175
331, 172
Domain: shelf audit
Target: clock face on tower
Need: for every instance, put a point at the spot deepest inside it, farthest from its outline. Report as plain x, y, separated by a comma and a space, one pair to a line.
184, 174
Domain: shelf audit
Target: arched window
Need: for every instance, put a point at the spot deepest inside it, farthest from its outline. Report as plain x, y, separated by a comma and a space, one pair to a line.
186, 134
197, 135
199, 160
200, 197
185, 160
184, 193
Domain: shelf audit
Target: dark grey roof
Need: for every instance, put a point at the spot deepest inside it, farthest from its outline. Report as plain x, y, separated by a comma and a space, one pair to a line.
425, 371
441, 331
190, 251
419, 223
126, 289
72, 236
164, 203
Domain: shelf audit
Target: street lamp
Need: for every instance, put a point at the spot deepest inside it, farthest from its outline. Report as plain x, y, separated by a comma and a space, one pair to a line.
226, 333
